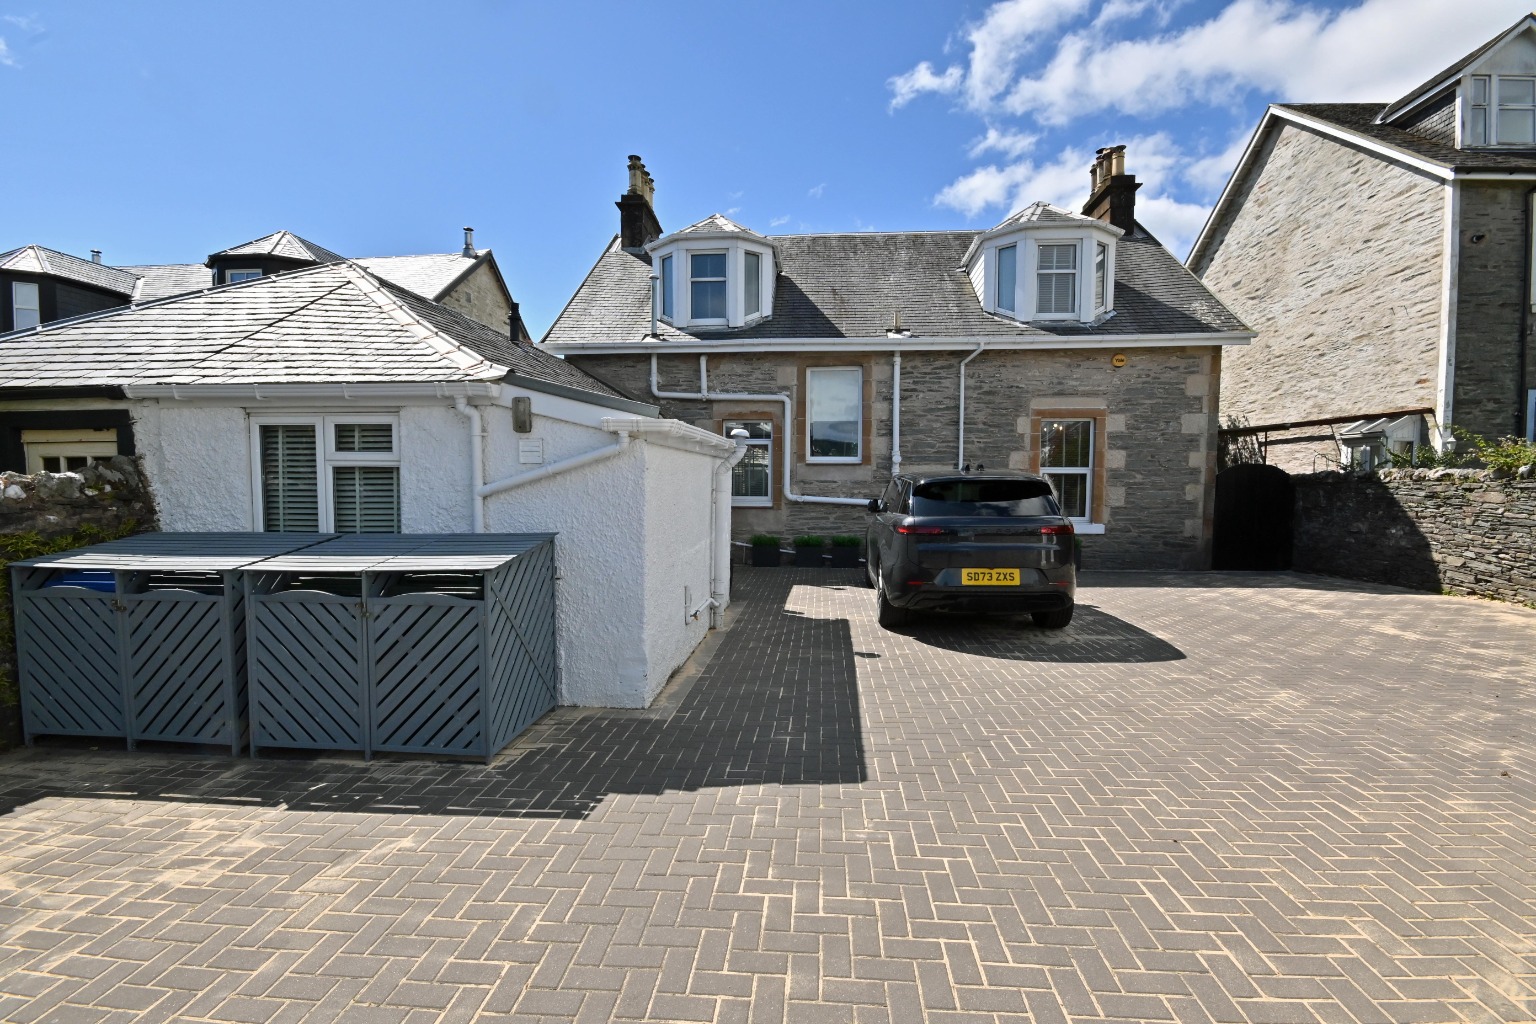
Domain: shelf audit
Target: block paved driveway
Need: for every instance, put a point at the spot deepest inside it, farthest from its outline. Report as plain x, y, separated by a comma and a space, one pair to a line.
1213, 798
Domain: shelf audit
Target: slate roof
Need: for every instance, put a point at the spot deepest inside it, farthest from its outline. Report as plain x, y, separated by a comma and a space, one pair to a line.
714, 223
35, 259
1391, 109
429, 275
852, 285
159, 281
283, 244
335, 323
1360, 119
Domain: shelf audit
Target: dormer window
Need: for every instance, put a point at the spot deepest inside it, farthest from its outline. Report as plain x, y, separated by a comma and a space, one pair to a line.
232, 276
1032, 266
729, 271
1501, 111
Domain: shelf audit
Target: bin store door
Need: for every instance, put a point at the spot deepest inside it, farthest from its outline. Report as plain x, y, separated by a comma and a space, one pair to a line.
307, 680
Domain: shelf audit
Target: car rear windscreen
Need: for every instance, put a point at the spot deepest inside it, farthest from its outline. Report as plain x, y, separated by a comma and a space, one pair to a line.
984, 498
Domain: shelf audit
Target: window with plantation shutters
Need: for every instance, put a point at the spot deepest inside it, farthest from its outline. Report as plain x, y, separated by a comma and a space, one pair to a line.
331, 474
290, 482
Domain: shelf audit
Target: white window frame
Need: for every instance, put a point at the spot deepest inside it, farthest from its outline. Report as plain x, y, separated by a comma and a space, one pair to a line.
997, 285
668, 275
91, 444
726, 280
746, 277
17, 307
252, 272
327, 458
1084, 471
1077, 279
1100, 277
1491, 109
811, 372
754, 501
1498, 106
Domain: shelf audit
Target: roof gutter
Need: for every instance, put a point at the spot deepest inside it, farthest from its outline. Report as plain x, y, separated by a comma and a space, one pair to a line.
886, 344
345, 392
577, 394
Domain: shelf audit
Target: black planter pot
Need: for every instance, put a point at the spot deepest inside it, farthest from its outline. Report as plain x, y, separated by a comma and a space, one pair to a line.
809, 558
844, 558
764, 555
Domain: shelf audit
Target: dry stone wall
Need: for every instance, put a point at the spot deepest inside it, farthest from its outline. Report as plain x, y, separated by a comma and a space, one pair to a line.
108, 496
1463, 531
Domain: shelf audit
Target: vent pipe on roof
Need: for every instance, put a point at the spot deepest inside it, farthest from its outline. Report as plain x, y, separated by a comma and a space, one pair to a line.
95, 255
469, 243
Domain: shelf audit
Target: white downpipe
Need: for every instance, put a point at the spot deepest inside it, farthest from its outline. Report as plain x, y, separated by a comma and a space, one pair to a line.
555, 468
705, 395
476, 461
720, 550
960, 458
895, 413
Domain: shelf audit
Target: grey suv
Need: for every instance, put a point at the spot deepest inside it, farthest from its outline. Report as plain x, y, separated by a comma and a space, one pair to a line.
980, 542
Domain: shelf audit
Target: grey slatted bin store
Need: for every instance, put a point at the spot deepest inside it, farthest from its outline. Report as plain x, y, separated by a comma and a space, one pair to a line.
433, 644
141, 638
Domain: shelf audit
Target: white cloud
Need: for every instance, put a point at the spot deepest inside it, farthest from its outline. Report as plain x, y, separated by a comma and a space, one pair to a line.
817, 191
1210, 173
908, 86
1001, 140
779, 221
1288, 51
6, 60
1175, 223
27, 23
1063, 181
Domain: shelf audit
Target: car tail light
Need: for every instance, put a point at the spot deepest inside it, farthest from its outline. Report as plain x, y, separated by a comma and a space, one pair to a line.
925, 530
1064, 530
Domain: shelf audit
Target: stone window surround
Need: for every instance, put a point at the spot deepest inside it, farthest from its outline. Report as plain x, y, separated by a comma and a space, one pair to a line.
724, 411
866, 362
1094, 410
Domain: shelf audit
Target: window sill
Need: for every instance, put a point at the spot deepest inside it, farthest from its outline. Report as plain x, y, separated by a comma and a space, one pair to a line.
751, 503
1087, 529
828, 460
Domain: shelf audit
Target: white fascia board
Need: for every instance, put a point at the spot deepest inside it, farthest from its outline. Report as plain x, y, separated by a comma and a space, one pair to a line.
993, 344
1397, 153
671, 434
1496, 176
439, 390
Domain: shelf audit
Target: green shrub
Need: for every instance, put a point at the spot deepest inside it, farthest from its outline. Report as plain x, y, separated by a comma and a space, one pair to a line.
764, 540
809, 541
1504, 455
844, 540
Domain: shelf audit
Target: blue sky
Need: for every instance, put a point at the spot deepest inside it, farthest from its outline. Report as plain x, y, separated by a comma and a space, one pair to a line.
162, 132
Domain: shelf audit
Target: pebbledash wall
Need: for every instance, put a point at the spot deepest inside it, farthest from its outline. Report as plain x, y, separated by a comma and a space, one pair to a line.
634, 529
1156, 416
1464, 531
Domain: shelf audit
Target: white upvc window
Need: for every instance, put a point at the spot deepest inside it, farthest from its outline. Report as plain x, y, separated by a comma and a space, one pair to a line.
26, 307
1100, 277
752, 477
67, 451
1056, 279
834, 414
1066, 460
1008, 278
326, 474
668, 274
242, 274
751, 284
707, 287
1500, 111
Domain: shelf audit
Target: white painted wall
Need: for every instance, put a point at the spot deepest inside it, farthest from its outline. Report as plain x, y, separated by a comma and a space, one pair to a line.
633, 530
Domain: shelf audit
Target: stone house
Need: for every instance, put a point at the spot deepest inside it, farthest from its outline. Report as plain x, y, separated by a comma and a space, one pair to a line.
1381, 251
1068, 343
39, 285
328, 398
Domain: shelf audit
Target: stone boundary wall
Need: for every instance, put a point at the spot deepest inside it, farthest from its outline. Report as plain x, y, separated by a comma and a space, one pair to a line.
52, 512
1457, 530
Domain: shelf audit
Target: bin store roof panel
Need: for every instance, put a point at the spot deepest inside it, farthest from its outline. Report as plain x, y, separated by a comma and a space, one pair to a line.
178, 552
404, 552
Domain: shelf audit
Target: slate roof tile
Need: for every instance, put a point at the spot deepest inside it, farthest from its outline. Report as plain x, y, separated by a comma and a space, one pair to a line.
284, 244
852, 286
36, 259
427, 275
1360, 119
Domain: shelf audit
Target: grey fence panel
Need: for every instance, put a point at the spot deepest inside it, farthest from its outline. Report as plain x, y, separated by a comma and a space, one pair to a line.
523, 667
178, 669
307, 679
427, 674
69, 659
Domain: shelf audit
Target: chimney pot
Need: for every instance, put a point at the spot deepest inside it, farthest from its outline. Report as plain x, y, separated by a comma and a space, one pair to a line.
1113, 196
95, 255
638, 225
469, 243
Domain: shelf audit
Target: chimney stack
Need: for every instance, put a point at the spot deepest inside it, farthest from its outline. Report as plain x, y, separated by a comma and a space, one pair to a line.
637, 216
95, 255
469, 243
1113, 194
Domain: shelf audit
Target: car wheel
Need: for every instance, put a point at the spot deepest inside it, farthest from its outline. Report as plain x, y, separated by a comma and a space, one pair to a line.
1053, 620
887, 614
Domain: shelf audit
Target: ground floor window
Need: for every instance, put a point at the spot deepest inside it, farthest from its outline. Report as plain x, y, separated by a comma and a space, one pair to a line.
834, 413
1066, 460
752, 477
327, 474
67, 451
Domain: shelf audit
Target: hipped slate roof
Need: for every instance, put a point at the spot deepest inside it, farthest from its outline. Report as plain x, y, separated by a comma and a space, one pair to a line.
35, 259
282, 244
1360, 119
335, 323
852, 285
429, 275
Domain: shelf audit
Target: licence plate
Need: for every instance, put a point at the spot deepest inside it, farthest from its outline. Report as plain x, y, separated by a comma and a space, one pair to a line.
989, 577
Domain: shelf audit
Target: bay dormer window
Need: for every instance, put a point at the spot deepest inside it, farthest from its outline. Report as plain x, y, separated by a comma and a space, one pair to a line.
1045, 263
729, 275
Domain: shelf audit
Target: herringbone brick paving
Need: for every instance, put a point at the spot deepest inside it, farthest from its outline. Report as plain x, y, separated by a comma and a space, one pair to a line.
1213, 798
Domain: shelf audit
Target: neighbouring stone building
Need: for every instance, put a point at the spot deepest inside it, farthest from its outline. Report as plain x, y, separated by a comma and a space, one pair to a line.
1380, 252
1070, 344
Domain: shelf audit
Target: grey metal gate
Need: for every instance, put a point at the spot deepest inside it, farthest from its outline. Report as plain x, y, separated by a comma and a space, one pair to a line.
141, 638
410, 644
